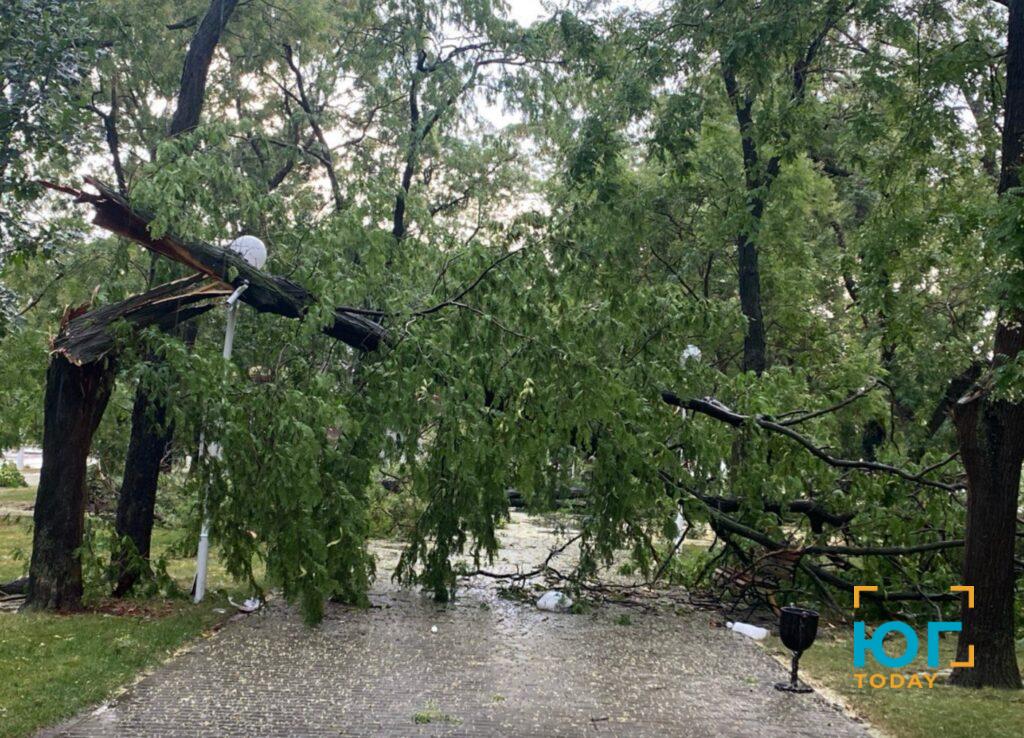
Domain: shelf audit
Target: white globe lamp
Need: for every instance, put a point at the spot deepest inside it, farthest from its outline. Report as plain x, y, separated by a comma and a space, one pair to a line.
250, 248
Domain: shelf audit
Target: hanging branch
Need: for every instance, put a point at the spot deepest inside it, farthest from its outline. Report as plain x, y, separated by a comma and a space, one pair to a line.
715, 409
723, 523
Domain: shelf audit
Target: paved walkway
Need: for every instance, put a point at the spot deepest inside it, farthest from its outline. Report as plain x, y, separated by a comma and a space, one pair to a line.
493, 667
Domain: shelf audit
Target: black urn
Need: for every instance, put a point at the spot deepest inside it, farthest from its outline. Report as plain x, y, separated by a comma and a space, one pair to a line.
798, 627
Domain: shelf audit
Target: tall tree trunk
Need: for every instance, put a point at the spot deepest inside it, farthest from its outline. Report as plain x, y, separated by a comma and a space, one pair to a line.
192, 90
150, 438
754, 352
74, 402
756, 182
991, 437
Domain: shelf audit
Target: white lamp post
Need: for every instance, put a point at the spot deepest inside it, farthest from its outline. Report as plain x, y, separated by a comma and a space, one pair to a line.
254, 252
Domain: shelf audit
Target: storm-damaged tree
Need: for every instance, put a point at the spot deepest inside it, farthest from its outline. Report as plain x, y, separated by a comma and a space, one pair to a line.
76, 395
335, 129
151, 433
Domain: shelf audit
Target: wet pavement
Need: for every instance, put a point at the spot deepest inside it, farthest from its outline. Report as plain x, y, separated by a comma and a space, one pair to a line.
493, 667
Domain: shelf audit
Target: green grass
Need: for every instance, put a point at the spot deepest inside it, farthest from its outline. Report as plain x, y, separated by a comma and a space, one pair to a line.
17, 497
15, 547
53, 666
431, 714
941, 712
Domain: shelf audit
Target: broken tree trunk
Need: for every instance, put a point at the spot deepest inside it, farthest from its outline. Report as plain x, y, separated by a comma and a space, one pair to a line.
266, 293
93, 338
87, 337
75, 399
78, 385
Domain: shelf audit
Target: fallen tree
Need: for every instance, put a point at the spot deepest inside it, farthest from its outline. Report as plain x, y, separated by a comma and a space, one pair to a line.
723, 523
149, 438
716, 508
92, 338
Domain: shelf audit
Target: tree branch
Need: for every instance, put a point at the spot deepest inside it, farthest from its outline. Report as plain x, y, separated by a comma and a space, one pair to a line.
197, 64
715, 409
266, 293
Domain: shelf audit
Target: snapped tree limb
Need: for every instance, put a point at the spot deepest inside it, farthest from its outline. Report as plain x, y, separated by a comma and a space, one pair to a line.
817, 514
85, 335
266, 293
723, 523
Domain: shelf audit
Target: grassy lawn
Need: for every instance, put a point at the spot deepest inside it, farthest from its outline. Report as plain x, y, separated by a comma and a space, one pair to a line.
941, 712
17, 498
53, 666
15, 547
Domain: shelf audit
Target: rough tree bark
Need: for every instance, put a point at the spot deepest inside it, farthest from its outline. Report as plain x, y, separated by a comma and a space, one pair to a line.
192, 90
990, 432
150, 434
136, 503
74, 402
757, 183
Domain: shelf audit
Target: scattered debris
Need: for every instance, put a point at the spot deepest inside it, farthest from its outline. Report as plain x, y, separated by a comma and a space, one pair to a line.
554, 601
751, 631
250, 605
11, 603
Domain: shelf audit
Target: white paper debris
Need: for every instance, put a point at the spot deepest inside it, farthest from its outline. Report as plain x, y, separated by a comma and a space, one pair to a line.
554, 601
250, 605
751, 631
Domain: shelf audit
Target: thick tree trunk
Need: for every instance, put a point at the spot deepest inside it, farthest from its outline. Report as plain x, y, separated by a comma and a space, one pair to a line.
991, 437
77, 392
192, 90
75, 399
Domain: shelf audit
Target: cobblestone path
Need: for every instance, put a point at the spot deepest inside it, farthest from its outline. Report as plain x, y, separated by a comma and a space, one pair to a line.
493, 667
